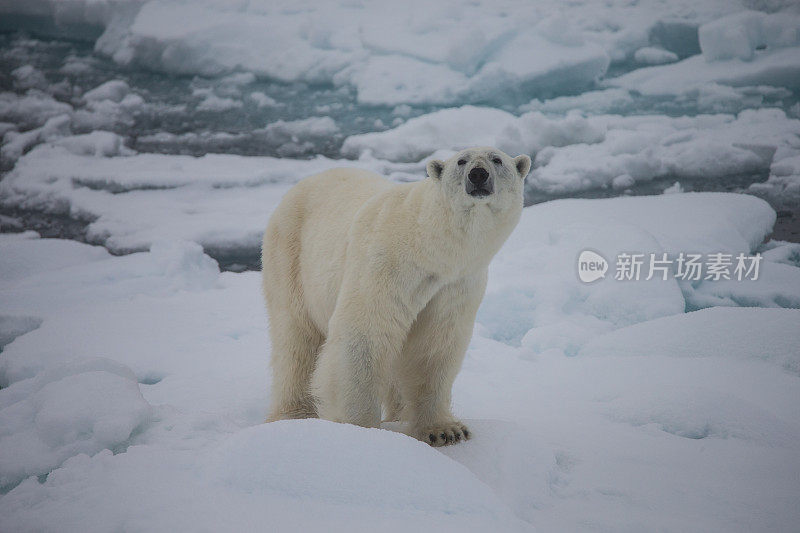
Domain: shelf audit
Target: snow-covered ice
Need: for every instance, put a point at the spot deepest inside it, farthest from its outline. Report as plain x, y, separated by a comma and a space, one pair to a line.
570, 430
134, 365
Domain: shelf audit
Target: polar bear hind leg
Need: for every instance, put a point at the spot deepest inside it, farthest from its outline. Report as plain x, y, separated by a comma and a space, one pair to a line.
296, 341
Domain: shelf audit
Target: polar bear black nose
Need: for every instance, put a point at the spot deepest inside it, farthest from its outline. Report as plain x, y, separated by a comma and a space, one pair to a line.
478, 176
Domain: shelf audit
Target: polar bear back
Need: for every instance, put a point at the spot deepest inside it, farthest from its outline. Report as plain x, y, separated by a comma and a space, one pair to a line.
308, 235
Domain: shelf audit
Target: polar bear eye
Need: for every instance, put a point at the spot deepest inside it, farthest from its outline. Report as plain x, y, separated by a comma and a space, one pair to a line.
462, 162
497, 161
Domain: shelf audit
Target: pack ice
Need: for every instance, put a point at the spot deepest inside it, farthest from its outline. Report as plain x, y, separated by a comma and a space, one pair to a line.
134, 373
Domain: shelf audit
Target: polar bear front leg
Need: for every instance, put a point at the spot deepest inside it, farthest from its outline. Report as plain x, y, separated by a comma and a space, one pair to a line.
365, 336
431, 359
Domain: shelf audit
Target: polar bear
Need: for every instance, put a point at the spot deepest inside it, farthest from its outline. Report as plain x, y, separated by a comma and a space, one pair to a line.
372, 288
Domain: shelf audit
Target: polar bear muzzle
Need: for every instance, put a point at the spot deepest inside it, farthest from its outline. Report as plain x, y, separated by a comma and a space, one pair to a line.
478, 182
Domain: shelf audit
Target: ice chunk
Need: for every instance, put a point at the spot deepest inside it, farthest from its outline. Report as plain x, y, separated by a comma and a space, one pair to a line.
392, 80
186, 262
783, 185
20, 257
97, 143
574, 152
594, 102
29, 77
218, 104
84, 412
724, 332
703, 147
675, 188
296, 137
778, 67
454, 128
262, 100
295, 129
555, 310
654, 56
114, 90
12, 326
787, 253
623, 181
32, 109
778, 285
15, 144
533, 131
739, 36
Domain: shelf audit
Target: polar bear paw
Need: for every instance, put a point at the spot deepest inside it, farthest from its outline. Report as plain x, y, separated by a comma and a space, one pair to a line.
444, 434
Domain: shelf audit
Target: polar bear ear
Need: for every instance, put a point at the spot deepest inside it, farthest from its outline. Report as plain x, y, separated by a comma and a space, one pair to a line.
435, 168
523, 164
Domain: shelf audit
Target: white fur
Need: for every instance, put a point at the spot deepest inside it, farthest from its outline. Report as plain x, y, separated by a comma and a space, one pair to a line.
372, 290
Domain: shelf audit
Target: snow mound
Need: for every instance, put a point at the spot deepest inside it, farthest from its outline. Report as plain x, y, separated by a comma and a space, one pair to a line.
114, 90
783, 185
778, 285
553, 309
741, 35
22, 257
32, 109
698, 413
500, 454
654, 56
454, 129
338, 463
340, 477
731, 333
12, 326
83, 411
458, 128
185, 262
97, 143
15, 144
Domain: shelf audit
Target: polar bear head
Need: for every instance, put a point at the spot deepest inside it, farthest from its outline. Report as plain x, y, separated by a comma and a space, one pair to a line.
482, 175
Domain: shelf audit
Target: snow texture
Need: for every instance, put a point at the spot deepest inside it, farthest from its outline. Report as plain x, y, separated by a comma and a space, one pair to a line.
706, 405
133, 388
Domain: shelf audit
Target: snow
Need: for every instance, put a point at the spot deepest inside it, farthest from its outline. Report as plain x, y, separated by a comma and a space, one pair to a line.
133, 387
42, 430
32, 109
783, 184
734, 333
114, 90
453, 129
197, 430
288, 134
28, 77
480, 47
261, 99
742, 34
568, 434
654, 56
189, 198
576, 152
